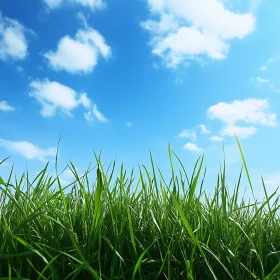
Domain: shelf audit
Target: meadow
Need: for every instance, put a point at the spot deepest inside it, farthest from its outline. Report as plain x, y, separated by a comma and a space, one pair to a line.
144, 228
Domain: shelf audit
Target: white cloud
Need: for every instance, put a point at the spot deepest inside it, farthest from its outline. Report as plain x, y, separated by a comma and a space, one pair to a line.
251, 111
98, 114
192, 147
266, 81
13, 43
240, 131
92, 4
216, 138
188, 134
27, 149
263, 68
53, 4
262, 81
204, 130
20, 69
5, 107
89, 117
273, 88
129, 124
79, 55
54, 96
273, 59
182, 30
95, 114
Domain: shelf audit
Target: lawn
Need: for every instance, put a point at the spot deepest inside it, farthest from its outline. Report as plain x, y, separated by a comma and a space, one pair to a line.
144, 228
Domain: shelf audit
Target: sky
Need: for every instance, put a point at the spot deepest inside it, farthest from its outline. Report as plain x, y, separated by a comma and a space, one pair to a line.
129, 77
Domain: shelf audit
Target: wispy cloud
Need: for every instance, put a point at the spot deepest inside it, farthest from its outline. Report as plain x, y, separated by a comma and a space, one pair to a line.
187, 134
5, 107
98, 114
79, 54
129, 124
192, 147
27, 149
260, 81
263, 68
20, 69
216, 138
53, 4
203, 129
13, 42
273, 59
94, 114
92, 4
250, 111
182, 31
268, 63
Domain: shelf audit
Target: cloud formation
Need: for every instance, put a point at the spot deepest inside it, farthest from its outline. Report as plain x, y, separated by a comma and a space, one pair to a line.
187, 134
79, 54
260, 81
250, 111
95, 114
5, 107
183, 30
54, 97
192, 147
13, 42
203, 129
27, 149
92, 4
216, 138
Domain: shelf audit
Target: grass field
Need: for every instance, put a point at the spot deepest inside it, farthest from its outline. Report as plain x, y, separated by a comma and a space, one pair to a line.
136, 229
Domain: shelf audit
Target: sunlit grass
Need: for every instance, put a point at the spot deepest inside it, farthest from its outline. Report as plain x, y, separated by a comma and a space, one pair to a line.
145, 229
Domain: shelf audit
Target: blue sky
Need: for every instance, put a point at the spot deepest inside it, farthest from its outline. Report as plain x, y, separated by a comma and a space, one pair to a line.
130, 76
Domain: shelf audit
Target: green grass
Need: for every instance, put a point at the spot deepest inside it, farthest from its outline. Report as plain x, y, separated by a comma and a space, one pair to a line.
127, 229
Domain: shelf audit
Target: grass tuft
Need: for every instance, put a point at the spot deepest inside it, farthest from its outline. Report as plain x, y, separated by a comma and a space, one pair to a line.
144, 229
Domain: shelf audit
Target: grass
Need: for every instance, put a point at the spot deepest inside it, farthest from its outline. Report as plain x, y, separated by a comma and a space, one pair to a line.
127, 229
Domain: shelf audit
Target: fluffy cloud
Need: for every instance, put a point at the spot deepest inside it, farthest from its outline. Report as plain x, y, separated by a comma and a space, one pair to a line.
79, 55
92, 4
192, 147
13, 43
27, 149
188, 134
54, 96
184, 30
250, 111
5, 107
